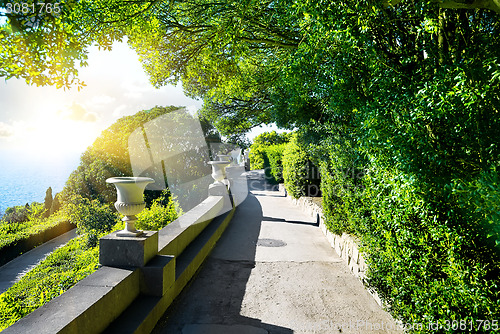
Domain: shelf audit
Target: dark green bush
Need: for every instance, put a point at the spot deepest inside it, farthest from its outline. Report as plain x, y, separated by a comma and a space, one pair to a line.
258, 157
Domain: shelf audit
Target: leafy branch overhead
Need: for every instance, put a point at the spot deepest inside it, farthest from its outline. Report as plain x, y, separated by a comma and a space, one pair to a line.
493, 5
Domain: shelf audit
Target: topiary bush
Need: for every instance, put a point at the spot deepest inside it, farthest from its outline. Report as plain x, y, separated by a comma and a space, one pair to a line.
259, 158
274, 154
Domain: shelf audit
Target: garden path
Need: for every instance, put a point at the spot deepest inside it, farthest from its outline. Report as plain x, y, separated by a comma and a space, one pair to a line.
12, 271
273, 271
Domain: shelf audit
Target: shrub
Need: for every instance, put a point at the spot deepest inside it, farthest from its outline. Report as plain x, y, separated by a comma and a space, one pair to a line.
161, 212
12, 233
428, 267
259, 158
90, 217
479, 200
342, 196
299, 173
274, 154
16, 214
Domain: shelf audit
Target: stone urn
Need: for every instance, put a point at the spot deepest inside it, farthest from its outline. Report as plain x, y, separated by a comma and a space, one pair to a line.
130, 201
219, 175
224, 157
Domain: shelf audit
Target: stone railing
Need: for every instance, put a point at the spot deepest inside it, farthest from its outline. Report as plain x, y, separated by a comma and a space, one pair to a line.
345, 245
139, 277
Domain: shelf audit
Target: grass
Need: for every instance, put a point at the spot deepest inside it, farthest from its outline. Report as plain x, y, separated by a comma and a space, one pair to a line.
57, 273
67, 265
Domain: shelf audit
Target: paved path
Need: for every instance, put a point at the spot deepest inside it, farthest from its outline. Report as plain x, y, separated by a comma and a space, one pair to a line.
12, 271
273, 271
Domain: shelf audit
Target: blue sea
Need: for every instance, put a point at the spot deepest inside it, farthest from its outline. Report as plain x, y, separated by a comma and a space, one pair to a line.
26, 178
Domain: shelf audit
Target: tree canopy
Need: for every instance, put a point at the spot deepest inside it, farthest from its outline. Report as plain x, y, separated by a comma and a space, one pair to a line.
396, 101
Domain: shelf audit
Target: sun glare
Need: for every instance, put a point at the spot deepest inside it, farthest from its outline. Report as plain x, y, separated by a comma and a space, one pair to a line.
53, 135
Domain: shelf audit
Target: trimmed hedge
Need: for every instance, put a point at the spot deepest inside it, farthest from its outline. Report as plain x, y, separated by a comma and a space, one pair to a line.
19, 237
428, 267
300, 175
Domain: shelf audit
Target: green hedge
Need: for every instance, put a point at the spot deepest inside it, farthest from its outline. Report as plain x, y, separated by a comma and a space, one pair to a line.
267, 153
428, 267
300, 174
19, 237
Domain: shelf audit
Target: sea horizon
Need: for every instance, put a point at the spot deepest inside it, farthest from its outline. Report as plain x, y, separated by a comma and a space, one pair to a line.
26, 178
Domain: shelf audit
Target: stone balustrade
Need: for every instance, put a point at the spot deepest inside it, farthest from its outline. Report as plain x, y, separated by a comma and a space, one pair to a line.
138, 279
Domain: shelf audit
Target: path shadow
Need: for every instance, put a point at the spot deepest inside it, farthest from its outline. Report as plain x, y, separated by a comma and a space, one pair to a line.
299, 222
213, 301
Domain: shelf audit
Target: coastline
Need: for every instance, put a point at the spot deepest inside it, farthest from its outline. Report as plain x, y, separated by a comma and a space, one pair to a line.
26, 179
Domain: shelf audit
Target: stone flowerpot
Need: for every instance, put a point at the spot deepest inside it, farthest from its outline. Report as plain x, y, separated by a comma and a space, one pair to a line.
130, 201
224, 157
219, 175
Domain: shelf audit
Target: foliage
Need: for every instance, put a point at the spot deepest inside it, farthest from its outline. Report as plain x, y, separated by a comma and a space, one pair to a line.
16, 214
259, 159
427, 267
62, 269
13, 232
161, 212
90, 217
274, 154
107, 157
299, 173
479, 201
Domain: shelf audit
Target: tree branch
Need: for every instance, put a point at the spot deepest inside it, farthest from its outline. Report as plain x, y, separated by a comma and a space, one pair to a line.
493, 5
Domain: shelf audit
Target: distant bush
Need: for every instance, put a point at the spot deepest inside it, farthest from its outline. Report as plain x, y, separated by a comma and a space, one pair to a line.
274, 155
16, 214
259, 158
32, 223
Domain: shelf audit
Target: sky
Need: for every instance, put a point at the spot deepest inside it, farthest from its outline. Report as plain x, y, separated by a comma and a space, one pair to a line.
48, 121
34, 118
